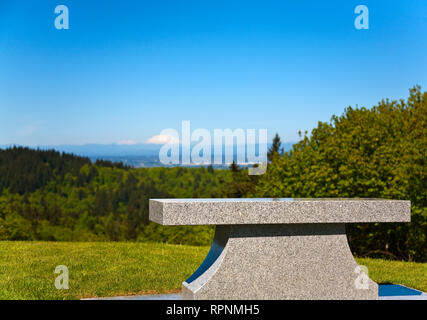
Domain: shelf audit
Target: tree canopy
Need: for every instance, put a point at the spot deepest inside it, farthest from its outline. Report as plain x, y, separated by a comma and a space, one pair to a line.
371, 153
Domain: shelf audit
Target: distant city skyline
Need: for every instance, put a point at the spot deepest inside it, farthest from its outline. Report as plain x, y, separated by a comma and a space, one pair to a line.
124, 71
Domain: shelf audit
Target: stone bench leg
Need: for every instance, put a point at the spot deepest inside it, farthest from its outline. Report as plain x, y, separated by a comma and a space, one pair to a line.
281, 261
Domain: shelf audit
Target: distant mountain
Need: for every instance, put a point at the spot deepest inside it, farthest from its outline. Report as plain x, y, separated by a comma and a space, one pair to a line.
137, 155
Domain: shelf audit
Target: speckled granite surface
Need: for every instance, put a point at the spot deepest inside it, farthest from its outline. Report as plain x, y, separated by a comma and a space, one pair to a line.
278, 248
276, 211
281, 262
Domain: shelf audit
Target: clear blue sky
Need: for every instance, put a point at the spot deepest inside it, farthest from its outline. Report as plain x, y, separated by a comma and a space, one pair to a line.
125, 70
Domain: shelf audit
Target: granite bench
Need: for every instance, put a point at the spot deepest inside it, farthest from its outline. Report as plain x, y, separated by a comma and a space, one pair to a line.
278, 248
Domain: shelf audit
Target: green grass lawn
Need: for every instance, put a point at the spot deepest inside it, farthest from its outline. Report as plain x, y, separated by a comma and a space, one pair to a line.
410, 274
110, 268
95, 268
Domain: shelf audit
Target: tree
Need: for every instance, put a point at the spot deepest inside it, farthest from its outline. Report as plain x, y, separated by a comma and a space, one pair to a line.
275, 149
242, 184
234, 167
370, 153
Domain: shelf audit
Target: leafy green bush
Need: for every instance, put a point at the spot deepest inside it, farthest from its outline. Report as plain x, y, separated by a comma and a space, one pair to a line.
370, 153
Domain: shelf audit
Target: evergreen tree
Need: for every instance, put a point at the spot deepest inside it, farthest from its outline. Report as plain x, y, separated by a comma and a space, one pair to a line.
234, 167
275, 149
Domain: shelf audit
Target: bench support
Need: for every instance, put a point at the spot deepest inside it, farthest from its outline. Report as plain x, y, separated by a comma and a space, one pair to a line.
280, 261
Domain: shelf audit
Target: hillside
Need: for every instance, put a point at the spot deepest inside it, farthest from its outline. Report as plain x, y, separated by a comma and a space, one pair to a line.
46, 195
379, 152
